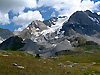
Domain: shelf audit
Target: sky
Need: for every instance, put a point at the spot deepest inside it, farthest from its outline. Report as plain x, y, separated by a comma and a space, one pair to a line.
18, 14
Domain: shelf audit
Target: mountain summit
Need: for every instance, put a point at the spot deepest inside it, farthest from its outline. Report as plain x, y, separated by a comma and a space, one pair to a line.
59, 34
83, 22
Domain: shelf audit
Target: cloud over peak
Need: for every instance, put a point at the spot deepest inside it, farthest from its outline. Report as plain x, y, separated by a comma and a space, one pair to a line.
67, 7
61, 8
25, 18
17, 6
4, 19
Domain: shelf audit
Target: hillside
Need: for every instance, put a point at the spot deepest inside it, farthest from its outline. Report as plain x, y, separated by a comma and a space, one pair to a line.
84, 64
58, 35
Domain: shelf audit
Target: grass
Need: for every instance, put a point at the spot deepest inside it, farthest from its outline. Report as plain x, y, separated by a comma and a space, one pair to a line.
16, 53
84, 49
91, 47
82, 58
32, 66
48, 66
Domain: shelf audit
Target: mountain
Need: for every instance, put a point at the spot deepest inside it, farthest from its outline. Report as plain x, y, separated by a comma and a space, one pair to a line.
40, 38
43, 35
83, 22
16, 32
13, 43
33, 29
1, 40
59, 35
53, 20
5, 34
37, 37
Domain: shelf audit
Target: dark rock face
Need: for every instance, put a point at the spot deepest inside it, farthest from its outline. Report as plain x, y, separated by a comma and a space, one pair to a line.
50, 21
63, 52
12, 43
5, 33
80, 17
83, 23
38, 24
53, 20
81, 29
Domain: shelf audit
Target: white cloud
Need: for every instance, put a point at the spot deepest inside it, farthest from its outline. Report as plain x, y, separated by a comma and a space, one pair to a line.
4, 19
64, 7
98, 13
20, 28
25, 18
67, 7
17, 6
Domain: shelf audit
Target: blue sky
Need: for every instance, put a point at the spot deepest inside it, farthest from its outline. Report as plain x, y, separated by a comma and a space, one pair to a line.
17, 14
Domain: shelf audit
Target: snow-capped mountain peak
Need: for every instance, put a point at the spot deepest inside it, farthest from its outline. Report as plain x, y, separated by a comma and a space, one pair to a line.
56, 27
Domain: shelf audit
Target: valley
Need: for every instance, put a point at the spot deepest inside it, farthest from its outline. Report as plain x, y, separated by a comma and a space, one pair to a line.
59, 46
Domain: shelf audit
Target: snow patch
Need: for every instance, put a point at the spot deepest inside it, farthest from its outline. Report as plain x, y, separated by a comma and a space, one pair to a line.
54, 45
55, 27
93, 19
31, 33
35, 40
27, 28
82, 28
37, 29
23, 39
1, 40
56, 37
69, 42
36, 22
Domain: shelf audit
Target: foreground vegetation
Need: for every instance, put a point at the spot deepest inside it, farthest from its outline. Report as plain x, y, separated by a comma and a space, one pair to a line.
83, 64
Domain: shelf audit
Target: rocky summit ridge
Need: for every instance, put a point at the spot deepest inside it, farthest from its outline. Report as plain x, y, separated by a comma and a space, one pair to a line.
60, 33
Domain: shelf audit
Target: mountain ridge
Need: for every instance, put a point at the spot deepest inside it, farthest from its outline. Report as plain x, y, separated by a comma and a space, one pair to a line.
61, 33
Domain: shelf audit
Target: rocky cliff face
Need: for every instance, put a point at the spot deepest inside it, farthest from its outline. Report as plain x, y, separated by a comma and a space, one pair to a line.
83, 22
33, 29
51, 21
43, 35
61, 33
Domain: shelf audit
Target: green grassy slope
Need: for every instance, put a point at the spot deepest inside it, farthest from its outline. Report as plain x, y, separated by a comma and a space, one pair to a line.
83, 64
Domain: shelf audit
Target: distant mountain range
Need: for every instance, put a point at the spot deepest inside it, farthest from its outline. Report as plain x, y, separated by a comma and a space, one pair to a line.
56, 34
5, 34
